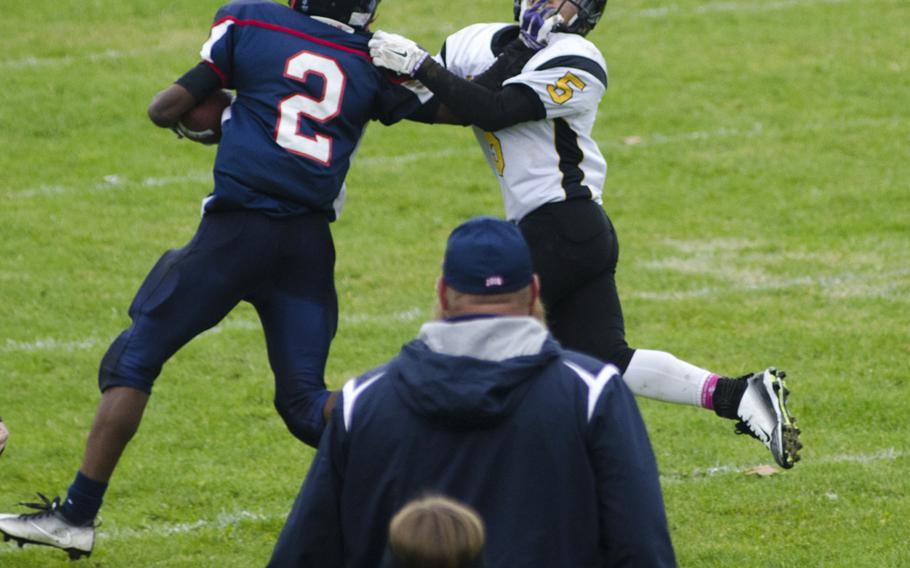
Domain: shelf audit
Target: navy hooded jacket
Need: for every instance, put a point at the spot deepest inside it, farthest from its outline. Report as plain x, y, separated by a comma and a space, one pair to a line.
547, 444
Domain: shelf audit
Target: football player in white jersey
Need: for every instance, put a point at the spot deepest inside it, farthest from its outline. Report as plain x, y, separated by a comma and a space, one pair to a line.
531, 93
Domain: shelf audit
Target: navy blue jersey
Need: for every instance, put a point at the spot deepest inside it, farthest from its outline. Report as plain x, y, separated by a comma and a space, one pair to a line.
305, 92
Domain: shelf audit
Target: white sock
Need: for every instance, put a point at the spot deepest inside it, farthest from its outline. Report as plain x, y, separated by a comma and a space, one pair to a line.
661, 376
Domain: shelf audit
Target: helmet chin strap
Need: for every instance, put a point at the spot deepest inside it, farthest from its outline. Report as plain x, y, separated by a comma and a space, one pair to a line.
361, 19
567, 24
521, 5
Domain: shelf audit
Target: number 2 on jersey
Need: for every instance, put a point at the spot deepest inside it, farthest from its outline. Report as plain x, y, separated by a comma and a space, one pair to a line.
564, 89
291, 110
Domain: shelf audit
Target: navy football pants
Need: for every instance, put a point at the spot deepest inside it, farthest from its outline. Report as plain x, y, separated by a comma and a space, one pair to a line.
574, 251
283, 266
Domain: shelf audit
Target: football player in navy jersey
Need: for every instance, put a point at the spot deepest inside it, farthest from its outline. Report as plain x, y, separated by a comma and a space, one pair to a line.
305, 91
532, 98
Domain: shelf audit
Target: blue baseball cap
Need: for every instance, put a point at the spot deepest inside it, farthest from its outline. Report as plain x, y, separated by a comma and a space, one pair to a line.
485, 255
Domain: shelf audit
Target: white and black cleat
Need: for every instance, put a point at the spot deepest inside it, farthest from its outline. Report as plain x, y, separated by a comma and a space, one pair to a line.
764, 415
48, 527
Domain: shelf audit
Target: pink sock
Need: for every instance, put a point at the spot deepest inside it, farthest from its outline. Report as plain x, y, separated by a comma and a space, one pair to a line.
707, 392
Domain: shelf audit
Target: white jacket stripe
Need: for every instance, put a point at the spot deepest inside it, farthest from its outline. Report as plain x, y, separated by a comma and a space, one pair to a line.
351, 391
595, 384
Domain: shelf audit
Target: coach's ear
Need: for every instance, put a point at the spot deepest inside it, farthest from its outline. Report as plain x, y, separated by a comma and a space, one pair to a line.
441, 295
535, 294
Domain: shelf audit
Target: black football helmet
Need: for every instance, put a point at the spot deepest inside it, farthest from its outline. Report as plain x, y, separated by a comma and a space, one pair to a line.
589, 13
356, 13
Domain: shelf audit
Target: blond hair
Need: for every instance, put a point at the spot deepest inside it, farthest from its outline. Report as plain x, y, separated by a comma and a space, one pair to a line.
436, 532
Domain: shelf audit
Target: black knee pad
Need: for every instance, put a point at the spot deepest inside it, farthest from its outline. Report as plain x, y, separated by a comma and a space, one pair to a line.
115, 372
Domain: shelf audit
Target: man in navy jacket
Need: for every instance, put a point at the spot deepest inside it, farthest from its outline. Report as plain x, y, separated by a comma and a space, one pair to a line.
484, 406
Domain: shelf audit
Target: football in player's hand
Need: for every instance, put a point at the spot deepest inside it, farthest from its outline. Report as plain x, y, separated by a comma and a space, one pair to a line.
202, 123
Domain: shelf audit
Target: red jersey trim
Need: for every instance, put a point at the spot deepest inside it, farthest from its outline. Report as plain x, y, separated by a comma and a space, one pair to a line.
282, 29
217, 71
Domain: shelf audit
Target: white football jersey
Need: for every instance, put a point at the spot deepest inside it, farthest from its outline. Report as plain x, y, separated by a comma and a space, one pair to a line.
548, 160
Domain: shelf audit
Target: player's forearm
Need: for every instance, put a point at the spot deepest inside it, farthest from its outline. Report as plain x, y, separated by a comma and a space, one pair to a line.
508, 64
477, 104
434, 112
169, 105
190, 89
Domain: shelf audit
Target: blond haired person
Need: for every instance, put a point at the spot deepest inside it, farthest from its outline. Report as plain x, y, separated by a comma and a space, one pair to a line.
436, 532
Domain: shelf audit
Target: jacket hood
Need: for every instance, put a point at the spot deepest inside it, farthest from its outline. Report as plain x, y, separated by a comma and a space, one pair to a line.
472, 373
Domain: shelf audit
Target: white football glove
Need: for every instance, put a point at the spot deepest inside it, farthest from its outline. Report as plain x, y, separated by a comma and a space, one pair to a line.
396, 53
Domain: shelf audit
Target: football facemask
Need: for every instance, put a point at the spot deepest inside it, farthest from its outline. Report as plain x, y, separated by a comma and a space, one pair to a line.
589, 13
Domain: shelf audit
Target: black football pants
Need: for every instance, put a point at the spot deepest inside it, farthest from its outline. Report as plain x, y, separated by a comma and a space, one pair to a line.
574, 250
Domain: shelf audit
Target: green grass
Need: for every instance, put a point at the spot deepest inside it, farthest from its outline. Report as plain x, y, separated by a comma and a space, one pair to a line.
759, 163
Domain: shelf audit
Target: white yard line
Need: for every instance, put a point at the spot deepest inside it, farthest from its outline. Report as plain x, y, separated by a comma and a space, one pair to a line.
874, 283
401, 159
412, 315
739, 266
49, 344
887, 454
117, 182
846, 285
112, 182
715, 7
59, 345
221, 522
669, 10
864, 290
754, 131
226, 520
32, 61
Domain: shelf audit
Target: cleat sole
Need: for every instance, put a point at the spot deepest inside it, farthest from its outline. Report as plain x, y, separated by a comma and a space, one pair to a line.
791, 448
73, 553
789, 440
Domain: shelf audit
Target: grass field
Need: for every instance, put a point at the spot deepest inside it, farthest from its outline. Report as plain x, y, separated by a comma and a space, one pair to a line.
759, 162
